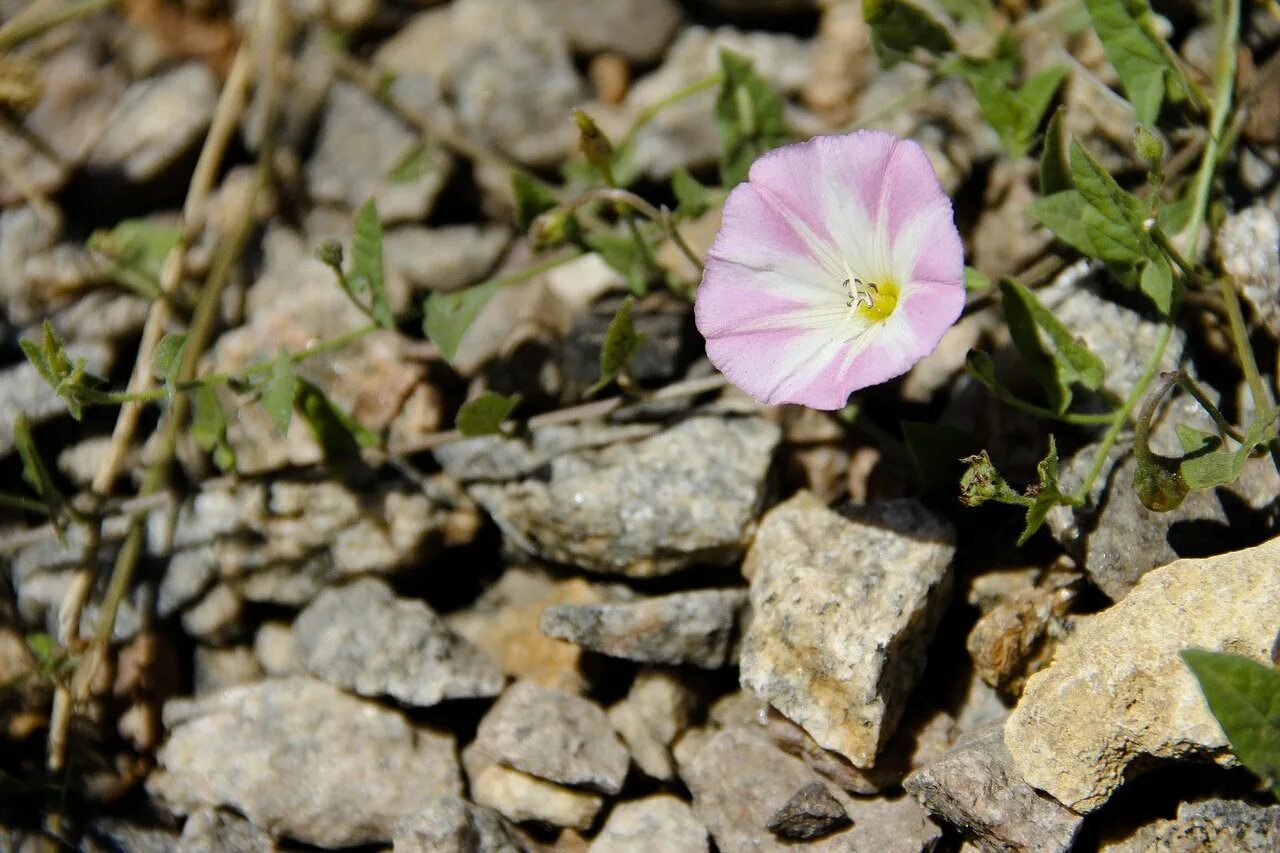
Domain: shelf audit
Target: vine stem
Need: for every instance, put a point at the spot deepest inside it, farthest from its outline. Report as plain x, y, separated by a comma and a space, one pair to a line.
1224, 80
623, 197
231, 103
26, 26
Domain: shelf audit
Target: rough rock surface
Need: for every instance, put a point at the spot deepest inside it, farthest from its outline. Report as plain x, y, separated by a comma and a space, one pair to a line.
843, 607
811, 812
555, 736
157, 121
503, 622
636, 29
1118, 698
302, 759
653, 714
975, 787
740, 781
523, 798
687, 495
1249, 244
360, 144
697, 627
1209, 826
363, 638
1017, 636
505, 67
453, 825
659, 822
217, 831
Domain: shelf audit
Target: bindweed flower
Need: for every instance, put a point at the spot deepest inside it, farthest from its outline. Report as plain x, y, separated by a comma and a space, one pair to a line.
837, 266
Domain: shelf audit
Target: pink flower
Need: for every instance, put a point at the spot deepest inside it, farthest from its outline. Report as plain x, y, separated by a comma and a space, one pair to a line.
838, 265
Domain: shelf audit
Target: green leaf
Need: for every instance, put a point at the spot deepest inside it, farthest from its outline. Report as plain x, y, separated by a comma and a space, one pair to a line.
1055, 176
623, 254
1014, 115
620, 343
45, 650
748, 116
1221, 467
1055, 359
1244, 696
168, 359
1142, 62
1114, 217
1063, 214
692, 198
936, 451
449, 315
209, 427
532, 198
1195, 441
34, 470
975, 282
898, 28
134, 251
366, 263
1045, 495
415, 164
982, 483
1157, 283
339, 435
484, 415
278, 391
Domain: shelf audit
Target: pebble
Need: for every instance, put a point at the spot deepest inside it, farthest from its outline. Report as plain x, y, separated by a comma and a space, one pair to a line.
699, 627
364, 638
843, 608
658, 822
301, 759
654, 507
453, 825
1118, 698
555, 736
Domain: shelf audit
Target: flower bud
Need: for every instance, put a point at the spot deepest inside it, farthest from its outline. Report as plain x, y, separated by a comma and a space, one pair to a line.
329, 252
594, 144
1148, 146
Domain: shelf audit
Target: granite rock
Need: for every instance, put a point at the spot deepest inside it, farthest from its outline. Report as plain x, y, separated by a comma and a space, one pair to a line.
688, 495
522, 798
1208, 826
843, 608
453, 825
555, 736
658, 822
975, 787
217, 830
363, 638
698, 627
302, 759
1118, 699
654, 713
1249, 245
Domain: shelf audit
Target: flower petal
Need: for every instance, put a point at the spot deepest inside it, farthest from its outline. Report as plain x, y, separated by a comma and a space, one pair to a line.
928, 247
784, 366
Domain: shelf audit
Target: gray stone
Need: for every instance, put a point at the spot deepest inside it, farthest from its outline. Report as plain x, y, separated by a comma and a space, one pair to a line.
555, 736
360, 145
843, 608
108, 835
681, 135
504, 66
447, 258
497, 459
275, 650
659, 822
653, 714
1118, 699
740, 781
218, 617
217, 669
157, 122
812, 811
975, 787
219, 831
636, 29
1249, 245
1208, 826
697, 627
363, 638
453, 825
523, 798
189, 575
24, 236
78, 88
302, 759
686, 496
